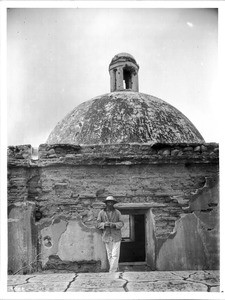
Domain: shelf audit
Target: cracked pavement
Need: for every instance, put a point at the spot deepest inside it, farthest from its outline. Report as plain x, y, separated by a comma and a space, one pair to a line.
154, 281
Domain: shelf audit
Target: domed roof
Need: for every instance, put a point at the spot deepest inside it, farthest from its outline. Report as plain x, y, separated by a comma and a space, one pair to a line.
124, 117
123, 55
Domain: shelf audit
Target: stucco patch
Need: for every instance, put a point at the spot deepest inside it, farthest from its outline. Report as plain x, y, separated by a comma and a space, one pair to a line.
50, 238
185, 251
76, 244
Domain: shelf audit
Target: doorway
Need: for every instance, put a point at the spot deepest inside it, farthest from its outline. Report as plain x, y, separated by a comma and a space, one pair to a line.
133, 244
138, 237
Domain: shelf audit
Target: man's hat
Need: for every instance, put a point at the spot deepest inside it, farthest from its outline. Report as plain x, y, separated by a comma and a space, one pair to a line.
110, 198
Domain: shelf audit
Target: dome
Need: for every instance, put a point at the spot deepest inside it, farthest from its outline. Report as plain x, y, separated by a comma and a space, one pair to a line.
125, 117
123, 55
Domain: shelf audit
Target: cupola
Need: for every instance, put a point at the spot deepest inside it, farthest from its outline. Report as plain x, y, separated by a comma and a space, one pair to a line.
123, 71
124, 115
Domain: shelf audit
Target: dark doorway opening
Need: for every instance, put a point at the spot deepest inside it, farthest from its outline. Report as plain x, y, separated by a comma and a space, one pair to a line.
133, 242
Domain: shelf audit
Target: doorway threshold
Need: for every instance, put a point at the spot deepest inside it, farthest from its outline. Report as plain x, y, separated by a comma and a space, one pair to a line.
134, 266
133, 263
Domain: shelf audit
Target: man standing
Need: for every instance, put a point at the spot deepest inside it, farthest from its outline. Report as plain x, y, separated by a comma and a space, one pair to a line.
110, 222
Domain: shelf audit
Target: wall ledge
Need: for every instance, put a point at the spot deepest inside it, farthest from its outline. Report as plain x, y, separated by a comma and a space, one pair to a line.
114, 154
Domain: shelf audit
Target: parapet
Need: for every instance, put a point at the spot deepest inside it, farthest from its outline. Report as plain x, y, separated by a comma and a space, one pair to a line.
113, 154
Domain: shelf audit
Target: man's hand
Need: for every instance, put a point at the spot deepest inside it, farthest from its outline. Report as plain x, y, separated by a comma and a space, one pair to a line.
110, 224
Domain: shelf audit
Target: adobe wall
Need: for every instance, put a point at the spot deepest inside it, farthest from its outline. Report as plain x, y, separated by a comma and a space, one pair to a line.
65, 186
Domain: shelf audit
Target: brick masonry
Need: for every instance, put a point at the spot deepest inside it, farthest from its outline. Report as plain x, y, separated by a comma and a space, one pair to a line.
65, 185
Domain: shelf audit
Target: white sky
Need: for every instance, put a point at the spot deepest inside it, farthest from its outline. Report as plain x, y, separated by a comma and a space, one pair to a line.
58, 58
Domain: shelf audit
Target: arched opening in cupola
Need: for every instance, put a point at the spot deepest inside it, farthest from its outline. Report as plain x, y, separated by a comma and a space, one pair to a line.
127, 78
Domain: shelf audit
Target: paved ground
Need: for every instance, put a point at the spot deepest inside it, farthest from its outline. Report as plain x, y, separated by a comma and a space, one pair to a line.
171, 281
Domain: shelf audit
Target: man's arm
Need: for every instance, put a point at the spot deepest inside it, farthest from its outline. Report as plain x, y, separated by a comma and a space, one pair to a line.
100, 222
119, 223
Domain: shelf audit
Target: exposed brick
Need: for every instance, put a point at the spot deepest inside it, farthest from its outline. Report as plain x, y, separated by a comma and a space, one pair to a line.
72, 185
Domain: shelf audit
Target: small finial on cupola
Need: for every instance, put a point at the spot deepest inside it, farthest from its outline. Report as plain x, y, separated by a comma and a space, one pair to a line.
123, 71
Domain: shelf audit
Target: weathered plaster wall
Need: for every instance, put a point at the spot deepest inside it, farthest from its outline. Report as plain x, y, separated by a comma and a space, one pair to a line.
70, 245
67, 184
22, 250
193, 244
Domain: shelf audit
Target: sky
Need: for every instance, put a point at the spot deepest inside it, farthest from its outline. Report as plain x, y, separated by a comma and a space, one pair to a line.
59, 58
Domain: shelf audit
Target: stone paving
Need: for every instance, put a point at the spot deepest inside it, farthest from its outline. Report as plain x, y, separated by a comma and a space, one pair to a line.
169, 281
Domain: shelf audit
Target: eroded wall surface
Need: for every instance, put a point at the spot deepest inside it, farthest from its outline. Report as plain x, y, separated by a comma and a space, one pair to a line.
22, 238
66, 184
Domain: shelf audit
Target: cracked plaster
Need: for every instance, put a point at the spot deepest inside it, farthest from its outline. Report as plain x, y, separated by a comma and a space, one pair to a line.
186, 281
147, 184
171, 286
42, 287
54, 233
187, 247
72, 241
